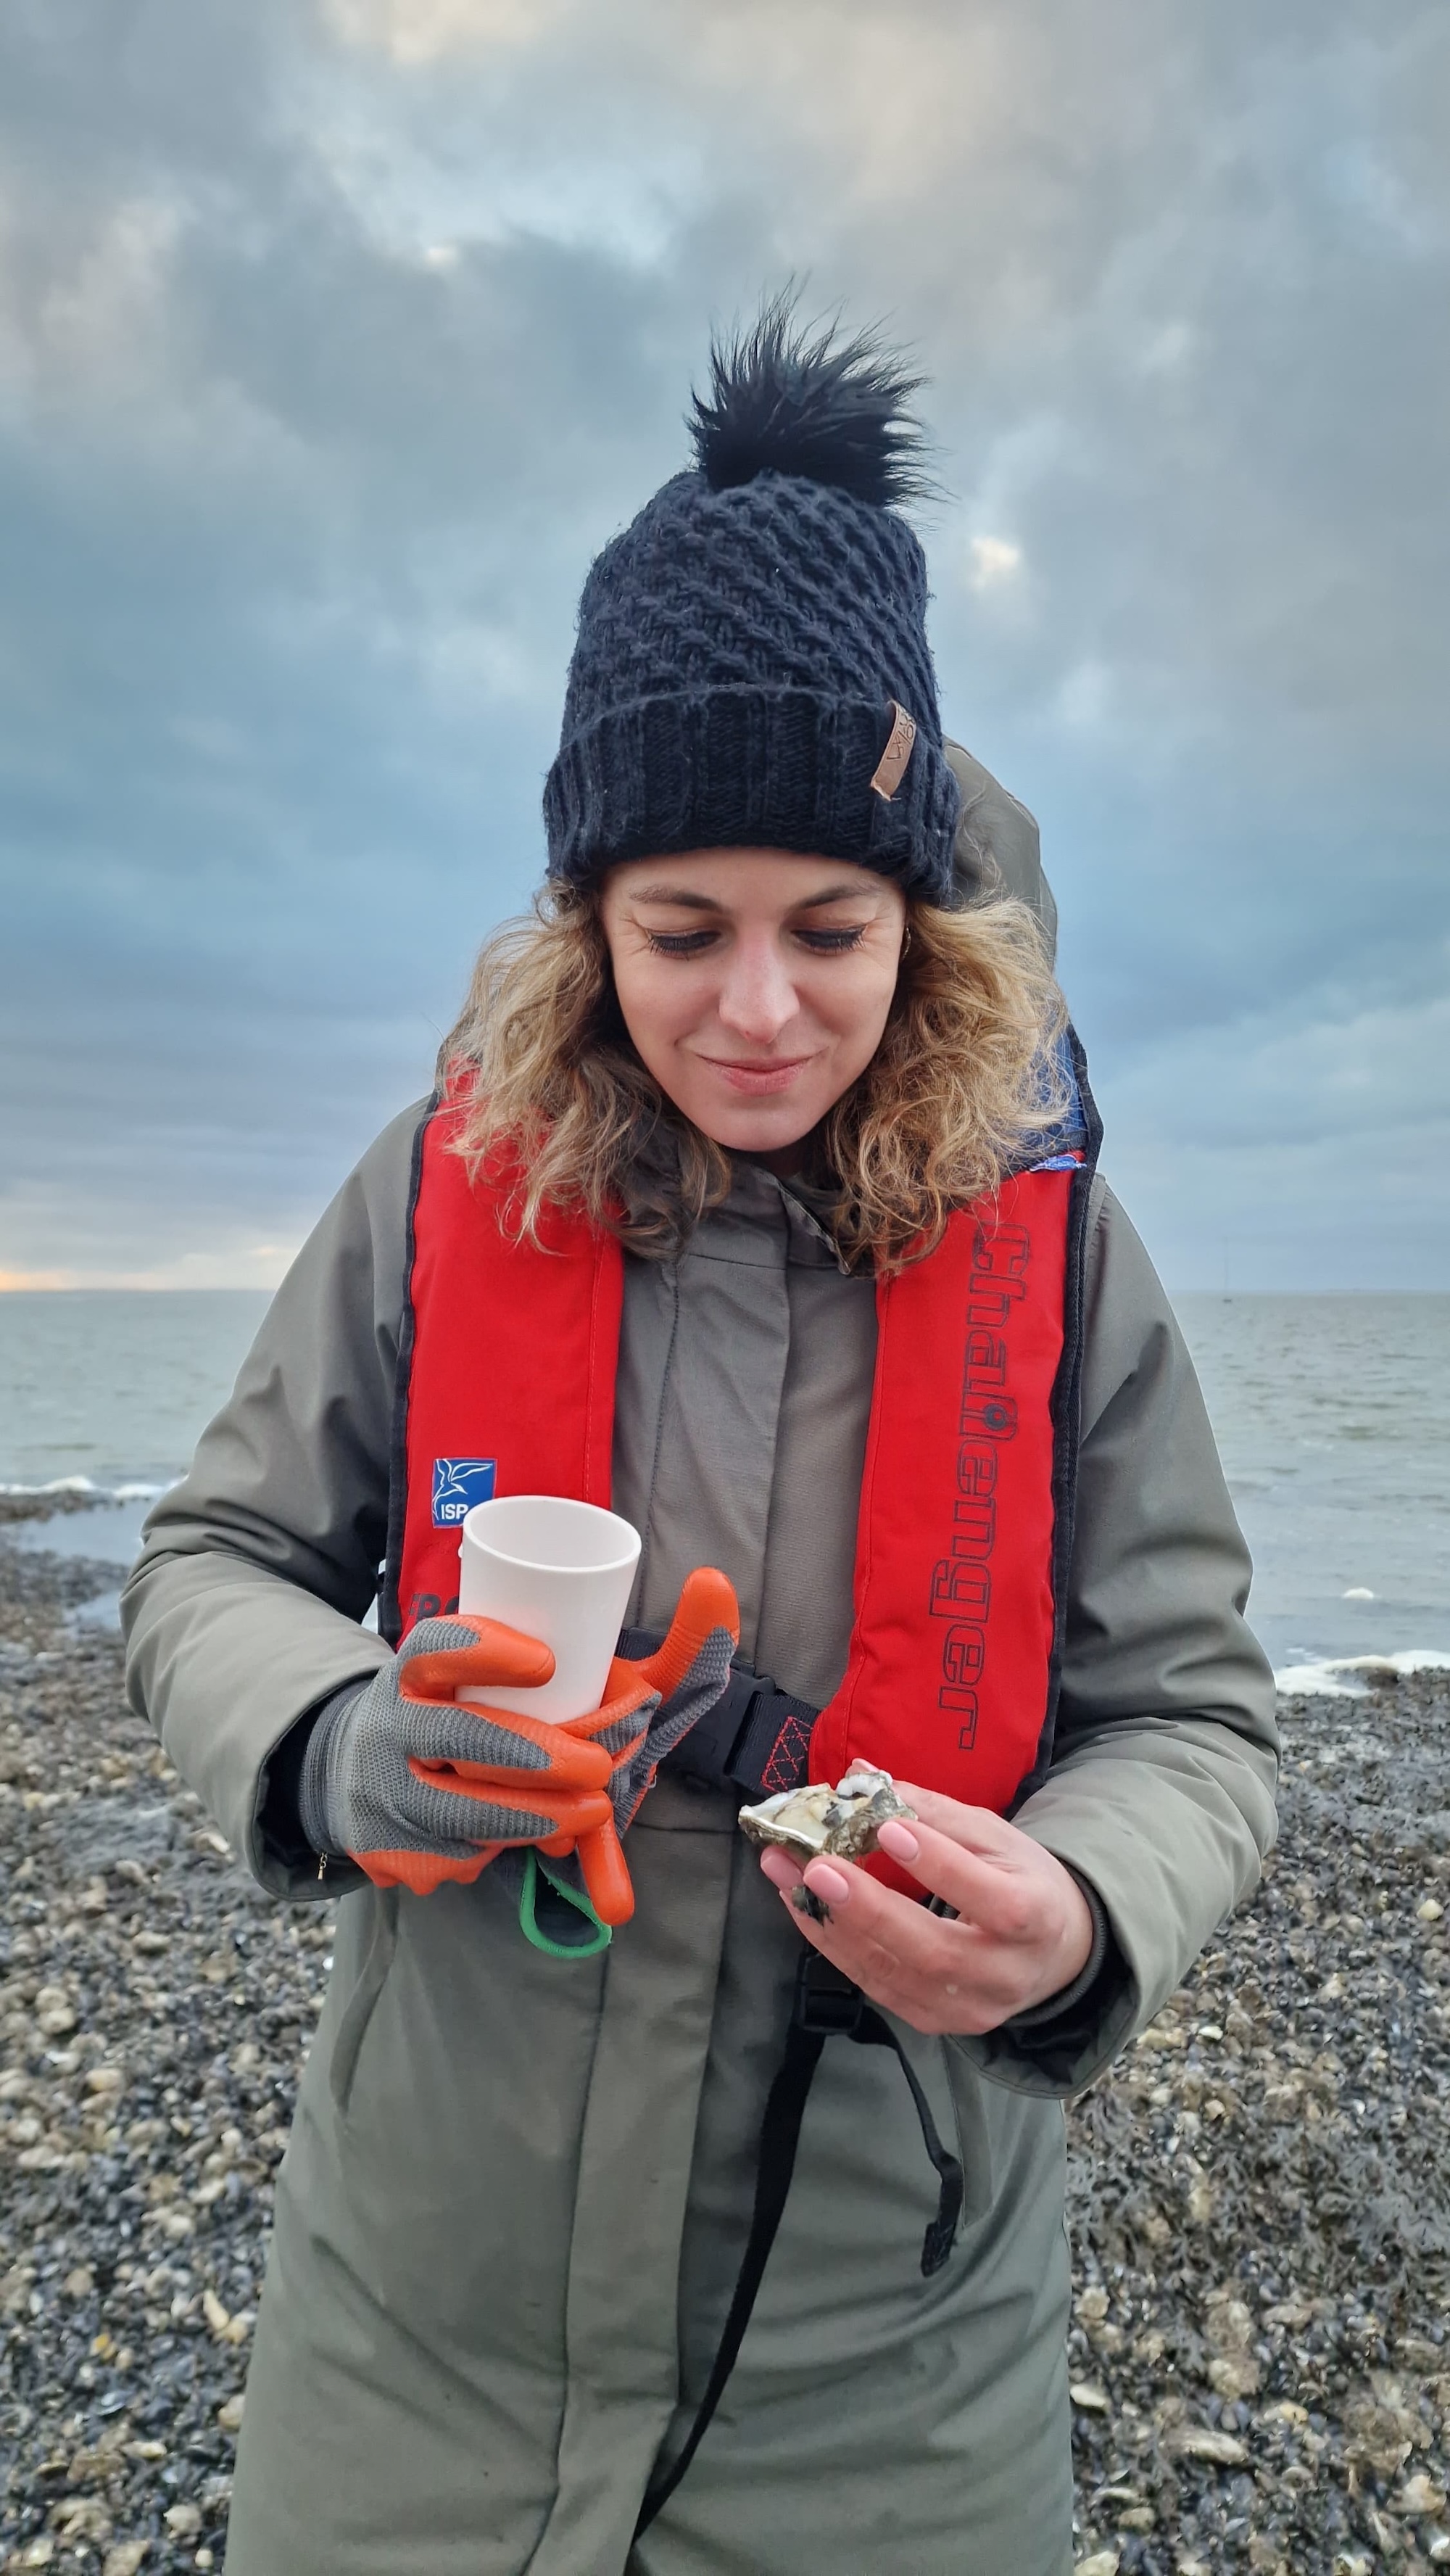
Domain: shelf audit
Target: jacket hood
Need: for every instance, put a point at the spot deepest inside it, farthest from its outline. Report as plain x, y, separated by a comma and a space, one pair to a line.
998, 848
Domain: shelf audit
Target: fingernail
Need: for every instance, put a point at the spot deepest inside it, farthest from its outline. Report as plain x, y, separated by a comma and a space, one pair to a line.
780, 1871
898, 1841
831, 1885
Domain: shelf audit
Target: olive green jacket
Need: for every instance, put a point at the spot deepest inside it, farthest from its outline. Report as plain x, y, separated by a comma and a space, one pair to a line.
514, 2202
517, 2189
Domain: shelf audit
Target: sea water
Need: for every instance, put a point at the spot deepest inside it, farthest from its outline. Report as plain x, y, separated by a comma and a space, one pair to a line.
105, 1392
1333, 1421
1332, 1414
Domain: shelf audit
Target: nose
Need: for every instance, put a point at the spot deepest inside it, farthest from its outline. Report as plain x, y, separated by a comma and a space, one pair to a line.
757, 996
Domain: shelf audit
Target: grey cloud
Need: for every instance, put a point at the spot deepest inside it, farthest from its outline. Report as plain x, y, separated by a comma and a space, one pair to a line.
332, 342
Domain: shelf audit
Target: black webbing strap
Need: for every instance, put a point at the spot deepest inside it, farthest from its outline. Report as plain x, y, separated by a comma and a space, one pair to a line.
755, 1740
826, 2005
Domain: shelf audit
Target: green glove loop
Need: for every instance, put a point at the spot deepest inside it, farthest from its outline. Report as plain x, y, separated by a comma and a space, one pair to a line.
531, 1927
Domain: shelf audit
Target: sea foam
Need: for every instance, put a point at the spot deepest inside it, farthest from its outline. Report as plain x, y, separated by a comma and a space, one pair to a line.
1352, 1676
128, 1493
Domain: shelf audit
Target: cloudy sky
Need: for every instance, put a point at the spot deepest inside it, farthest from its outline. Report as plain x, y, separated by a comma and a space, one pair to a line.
335, 336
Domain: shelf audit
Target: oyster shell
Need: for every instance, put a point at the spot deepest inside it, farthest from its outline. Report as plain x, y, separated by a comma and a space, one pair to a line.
840, 1823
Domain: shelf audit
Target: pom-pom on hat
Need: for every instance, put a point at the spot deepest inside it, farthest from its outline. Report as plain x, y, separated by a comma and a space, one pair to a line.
752, 666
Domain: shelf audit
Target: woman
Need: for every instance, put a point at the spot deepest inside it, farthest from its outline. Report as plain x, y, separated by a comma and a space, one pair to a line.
758, 1199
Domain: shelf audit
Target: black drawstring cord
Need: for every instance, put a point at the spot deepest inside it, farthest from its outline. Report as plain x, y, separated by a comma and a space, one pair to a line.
937, 2243
826, 2006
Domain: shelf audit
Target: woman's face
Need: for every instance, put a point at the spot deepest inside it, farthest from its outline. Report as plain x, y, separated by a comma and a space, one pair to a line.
754, 983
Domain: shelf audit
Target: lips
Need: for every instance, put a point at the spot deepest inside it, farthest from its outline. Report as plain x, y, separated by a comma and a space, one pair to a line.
757, 1080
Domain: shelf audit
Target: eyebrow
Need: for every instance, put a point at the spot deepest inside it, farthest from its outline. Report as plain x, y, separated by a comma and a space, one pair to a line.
692, 902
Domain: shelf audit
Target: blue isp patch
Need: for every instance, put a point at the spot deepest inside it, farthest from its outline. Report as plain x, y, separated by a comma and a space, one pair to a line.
459, 1483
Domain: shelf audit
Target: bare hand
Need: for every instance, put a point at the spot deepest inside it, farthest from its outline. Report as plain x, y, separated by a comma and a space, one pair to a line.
1024, 1927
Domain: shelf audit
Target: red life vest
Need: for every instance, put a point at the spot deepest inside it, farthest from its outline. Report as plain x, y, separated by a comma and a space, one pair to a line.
506, 1385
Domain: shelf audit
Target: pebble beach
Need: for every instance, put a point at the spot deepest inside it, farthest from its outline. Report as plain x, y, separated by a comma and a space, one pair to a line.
1260, 2190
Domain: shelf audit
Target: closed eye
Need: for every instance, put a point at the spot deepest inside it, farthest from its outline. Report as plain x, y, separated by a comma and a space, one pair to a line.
832, 943
693, 943
678, 943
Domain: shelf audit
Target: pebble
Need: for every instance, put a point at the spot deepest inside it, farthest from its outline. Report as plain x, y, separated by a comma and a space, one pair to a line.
1259, 2195
1259, 2191
154, 2011
1204, 2442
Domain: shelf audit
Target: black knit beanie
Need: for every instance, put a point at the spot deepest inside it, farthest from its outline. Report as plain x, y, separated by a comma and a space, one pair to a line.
752, 666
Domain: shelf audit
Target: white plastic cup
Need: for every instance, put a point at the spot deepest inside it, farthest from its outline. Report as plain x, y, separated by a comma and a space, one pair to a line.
559, 1571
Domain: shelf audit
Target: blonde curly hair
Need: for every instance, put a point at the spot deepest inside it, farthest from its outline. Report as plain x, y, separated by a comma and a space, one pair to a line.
963, 1082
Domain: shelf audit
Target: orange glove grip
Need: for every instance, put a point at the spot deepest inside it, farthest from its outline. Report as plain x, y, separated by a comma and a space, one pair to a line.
569, 1788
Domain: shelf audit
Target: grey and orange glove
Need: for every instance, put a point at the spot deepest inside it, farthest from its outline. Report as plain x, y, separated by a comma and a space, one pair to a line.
418, 1789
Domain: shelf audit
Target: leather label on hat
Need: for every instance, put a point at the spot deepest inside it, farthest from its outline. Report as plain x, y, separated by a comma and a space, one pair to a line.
890, 769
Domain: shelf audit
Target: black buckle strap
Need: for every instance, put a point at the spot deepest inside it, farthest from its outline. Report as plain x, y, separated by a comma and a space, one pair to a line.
826, 2006
754, 1741
826, 2002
